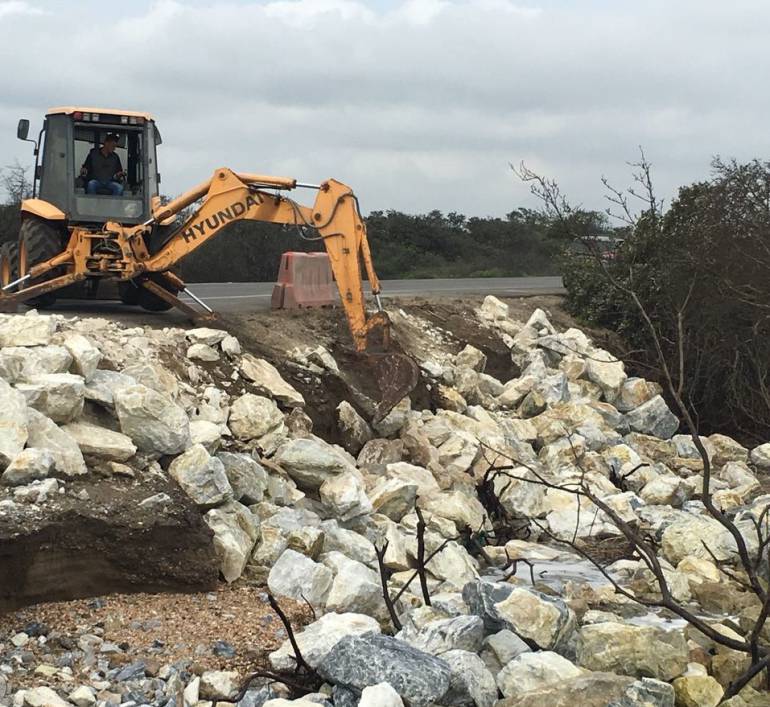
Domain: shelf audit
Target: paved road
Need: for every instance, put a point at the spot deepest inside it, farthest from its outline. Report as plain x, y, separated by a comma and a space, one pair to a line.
254, 296
243, 296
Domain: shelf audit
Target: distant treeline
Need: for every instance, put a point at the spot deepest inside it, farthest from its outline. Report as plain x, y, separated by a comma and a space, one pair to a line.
403, 246
428, 245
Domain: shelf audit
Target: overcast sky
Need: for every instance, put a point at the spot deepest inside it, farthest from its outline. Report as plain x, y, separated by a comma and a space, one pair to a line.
417, 104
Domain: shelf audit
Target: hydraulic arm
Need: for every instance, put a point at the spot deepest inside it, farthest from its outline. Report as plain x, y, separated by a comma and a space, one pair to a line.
121, 252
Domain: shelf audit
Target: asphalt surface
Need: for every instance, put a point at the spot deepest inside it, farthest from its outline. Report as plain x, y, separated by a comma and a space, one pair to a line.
230, 297
248, 296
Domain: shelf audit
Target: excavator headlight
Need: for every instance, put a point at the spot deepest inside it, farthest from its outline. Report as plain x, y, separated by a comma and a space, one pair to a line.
86, 116
124, 120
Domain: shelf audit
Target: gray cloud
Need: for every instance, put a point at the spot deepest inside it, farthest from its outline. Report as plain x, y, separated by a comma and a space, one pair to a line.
418, 104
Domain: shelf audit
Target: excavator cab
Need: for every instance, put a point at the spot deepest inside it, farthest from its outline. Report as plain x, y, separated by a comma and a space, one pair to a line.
68, 135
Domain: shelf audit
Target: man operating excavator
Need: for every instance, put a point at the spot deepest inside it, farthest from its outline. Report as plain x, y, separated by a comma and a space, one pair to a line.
102, 169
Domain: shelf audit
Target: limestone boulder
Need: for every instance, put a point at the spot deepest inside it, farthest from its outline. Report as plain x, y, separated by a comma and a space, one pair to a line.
202, 477
464, 633
312, 461
101, 386
152, 420
86, 356
545, 620
355, 431
247, 477
267, 381
209, 434
464, 510
344, 496
318, 638
653, 418
534, 671
381, 695
202, 352
300, 578
236, 531
254, 416
355, 588
28, 465
31, 329
643, 651
59, 396
45, 434
607, 372
394, 498
471, 682
100, 442
698, 691
760, 456
13, 422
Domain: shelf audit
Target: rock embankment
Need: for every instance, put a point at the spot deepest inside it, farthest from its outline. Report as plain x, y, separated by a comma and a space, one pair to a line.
180, 425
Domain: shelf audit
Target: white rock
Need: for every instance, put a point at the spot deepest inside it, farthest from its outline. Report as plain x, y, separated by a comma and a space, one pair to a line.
209, 434
247, 477
268, 381
394, 420
202, 352
311, 461
42, 696
437, 637
83, 696
462, 509
28, 465
85, 355
380, 695
546, 620
235, 533
653, 418
29, 330
317, 639
298, 577
202, 477
254, 416
206, 335
60, 396
471, 357
471, 681
154, 376
345, 496
219, 684
355, 588
100, 442
354, 429
493, 309
760, 456
44, 433
394, 498
101, 386
607, 372
13, 422
152, 420
349, 543
231, 346
531, 671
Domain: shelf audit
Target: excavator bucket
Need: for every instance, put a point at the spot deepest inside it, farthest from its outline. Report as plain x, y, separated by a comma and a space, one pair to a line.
397, 375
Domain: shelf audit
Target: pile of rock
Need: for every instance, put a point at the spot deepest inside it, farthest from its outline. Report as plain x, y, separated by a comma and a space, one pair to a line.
309, 517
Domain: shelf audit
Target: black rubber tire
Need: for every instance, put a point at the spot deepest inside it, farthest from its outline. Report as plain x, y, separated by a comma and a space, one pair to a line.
151, 302
129, 292
9, 262
38, 241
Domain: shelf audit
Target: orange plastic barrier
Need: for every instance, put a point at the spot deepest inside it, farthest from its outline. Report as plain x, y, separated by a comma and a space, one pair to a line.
304, 280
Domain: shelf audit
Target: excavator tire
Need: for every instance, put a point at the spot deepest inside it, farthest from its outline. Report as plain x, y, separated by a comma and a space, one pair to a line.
129, 292
9, 262
150, 301
38, 241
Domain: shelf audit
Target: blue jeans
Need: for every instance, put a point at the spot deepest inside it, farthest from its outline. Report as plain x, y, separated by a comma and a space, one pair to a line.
115, 187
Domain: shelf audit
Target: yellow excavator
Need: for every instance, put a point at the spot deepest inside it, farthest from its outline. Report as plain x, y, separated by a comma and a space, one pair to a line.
78, 229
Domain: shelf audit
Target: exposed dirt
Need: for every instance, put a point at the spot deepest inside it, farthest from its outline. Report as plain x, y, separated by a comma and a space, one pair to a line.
96, 539
159, 629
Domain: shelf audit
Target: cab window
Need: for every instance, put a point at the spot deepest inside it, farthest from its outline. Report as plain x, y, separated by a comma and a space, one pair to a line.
129, 149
